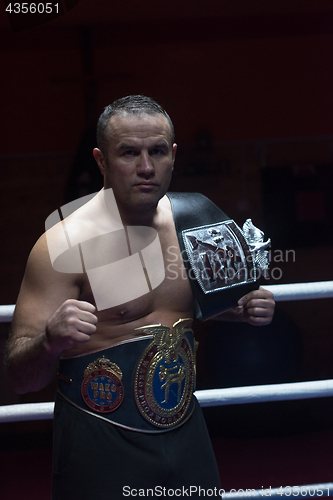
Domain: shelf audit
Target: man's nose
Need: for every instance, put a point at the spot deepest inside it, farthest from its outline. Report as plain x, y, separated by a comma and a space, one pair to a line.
145, 164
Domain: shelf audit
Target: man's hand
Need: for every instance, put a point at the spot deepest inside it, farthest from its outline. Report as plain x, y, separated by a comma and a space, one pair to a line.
257, 307
74, 322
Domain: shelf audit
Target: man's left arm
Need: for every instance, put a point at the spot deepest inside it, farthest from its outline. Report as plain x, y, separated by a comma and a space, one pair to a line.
256, 308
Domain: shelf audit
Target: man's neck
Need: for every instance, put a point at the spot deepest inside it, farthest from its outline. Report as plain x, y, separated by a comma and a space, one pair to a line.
141, 216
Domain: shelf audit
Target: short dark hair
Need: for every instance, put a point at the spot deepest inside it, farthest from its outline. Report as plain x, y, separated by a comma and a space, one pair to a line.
133, 105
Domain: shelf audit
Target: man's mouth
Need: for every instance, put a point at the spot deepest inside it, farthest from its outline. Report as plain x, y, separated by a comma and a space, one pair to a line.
146, 184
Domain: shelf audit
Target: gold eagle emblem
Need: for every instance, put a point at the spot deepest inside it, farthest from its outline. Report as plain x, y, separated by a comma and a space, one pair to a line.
168, 340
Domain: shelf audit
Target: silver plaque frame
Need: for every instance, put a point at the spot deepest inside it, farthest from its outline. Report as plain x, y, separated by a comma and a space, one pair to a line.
220, 256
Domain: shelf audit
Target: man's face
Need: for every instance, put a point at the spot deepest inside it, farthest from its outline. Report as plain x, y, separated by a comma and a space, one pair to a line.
139, 160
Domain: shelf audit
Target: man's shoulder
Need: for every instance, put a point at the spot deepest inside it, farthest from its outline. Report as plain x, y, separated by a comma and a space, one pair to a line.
83, 219
64, 229
81, 226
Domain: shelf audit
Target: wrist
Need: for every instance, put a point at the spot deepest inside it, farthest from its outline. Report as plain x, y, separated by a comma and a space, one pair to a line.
50, 347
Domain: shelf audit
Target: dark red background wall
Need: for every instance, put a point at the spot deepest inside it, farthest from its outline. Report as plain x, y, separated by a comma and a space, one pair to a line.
256, 74
248, 87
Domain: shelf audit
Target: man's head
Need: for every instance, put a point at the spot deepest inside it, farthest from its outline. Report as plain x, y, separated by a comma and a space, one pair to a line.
136, 153
130, 105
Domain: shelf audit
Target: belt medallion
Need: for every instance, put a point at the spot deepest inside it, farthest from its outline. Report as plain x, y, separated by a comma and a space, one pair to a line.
165, 374
102, 388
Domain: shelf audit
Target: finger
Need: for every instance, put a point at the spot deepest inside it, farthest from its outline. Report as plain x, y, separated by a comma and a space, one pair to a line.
242, 301
86, 306
87, 317
258, 312
259, 316
79, 304
266, 294
80, 338
260, 302
85, 327
260, 294
246, 298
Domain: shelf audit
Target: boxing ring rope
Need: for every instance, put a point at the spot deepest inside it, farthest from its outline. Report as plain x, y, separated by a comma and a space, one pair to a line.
291, 291
229, 396
304, 491
206, 398
301, 291
6, 313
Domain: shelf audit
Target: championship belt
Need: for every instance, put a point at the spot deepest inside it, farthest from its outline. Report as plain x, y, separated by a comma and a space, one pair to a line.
223, 262
144, 384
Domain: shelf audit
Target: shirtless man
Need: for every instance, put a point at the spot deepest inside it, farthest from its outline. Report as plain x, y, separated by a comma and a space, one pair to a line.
56, 314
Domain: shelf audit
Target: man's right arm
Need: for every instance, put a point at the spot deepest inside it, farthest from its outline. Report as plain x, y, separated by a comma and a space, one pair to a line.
48, 320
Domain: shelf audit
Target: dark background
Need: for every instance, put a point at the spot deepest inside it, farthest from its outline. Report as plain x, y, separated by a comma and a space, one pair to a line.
248, 84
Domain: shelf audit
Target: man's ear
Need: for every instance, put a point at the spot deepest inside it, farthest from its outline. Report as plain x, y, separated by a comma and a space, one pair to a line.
174, 150
100, 160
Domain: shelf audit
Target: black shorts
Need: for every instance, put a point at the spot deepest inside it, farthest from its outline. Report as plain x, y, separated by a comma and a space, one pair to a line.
94, 459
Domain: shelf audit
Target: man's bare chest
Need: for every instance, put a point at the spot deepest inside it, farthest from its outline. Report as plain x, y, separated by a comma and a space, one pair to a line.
149, 274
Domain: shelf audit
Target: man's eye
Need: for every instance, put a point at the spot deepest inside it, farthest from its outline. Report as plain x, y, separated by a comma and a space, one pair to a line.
156, 152
129, 152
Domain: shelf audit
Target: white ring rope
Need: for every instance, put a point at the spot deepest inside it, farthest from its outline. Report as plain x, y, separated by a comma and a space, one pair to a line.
292, 291
305, 491
301, 291
209, 397
6, 313
26, 411
264, 393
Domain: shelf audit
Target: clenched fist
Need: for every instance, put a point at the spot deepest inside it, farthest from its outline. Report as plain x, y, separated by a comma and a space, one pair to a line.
74, 322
